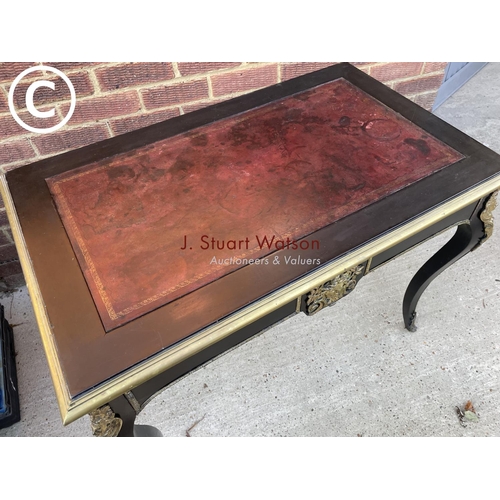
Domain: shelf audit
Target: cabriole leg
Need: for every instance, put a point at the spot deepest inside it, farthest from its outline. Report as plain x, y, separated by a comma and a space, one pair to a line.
468, 237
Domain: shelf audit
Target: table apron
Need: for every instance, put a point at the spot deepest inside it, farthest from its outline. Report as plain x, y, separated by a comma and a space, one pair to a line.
461, 216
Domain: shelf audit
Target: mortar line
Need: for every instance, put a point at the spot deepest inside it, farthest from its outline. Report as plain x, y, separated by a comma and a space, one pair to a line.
210, 89
111, 134
177, 73
33, 145
94, 81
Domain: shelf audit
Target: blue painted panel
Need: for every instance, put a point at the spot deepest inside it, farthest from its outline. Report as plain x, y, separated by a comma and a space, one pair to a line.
456, 75
453, 68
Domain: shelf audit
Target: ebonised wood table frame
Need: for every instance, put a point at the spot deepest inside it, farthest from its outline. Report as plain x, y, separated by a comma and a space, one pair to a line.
462, 195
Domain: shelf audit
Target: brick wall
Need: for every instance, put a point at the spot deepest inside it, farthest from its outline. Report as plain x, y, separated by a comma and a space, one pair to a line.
114, 98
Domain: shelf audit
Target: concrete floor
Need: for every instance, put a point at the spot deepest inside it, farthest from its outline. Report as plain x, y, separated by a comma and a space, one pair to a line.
352, 370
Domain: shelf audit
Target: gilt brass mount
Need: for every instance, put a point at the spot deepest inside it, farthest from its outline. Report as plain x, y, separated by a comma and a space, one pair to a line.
333, 290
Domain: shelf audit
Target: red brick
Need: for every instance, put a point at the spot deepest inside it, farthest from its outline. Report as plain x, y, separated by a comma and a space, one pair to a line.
122, 125
293, 70
431, 67
70, 139
22, 87
33, 121
177, 93
425, 100
9, 127
8, 252
394, 71
10, 70
187, 108
70, 66
9, 269
127, 75
100, 108
11, 152
419, 85
196, 68
4, 106
244, 80
44, 95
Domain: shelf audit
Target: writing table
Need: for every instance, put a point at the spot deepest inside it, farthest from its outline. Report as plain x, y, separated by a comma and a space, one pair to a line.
148, 254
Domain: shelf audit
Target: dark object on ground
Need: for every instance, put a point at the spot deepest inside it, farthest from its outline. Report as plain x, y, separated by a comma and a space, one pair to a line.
9, 396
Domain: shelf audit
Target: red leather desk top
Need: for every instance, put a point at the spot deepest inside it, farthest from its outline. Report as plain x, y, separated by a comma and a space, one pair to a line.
283, 170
